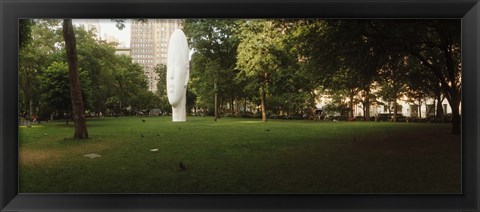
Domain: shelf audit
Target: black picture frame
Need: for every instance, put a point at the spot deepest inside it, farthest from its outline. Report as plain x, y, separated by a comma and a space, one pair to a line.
11, 10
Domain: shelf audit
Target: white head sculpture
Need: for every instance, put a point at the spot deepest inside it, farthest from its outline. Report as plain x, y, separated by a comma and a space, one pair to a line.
177, 74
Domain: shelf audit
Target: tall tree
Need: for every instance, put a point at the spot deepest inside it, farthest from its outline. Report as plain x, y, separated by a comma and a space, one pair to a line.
55, 90
213, 65
78, 108
436, 43
261, 54
339, 58
35, 55
443, 60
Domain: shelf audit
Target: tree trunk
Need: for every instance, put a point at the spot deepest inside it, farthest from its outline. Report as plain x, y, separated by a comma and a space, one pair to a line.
419, 108
313, 106
440, 113
456, 117
216, 101
262, 99
456, 121
426, 109
31, 107
237, 109
75, 92
366, 106
395, 108
232, 108
350, 116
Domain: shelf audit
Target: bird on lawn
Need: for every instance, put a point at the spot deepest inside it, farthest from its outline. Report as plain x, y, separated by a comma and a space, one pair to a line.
141, 135
182, 167
143, 120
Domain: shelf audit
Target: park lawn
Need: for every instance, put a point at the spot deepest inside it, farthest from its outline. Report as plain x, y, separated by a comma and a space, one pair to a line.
236, 155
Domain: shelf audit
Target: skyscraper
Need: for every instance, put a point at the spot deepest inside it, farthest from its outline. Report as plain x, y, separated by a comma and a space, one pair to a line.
149, 43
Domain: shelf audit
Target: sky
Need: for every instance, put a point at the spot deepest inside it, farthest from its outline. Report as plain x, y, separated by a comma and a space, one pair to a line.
107, 26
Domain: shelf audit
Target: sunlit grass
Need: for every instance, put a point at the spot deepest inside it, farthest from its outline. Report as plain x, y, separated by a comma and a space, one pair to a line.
240, 155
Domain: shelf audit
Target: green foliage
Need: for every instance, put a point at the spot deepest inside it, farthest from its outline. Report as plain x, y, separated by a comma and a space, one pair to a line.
55, 90
24, 32
34, 57
265, 62
104, 76
128, 80
280, 63
163, 104
215, 43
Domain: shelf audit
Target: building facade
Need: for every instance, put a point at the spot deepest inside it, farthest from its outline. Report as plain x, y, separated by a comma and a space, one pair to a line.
408, 109
149, 43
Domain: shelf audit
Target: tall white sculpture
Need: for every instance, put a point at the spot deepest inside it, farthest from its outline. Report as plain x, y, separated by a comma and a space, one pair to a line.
177, 74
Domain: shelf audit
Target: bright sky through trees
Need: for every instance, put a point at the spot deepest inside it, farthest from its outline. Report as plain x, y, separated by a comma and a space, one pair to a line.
107, 27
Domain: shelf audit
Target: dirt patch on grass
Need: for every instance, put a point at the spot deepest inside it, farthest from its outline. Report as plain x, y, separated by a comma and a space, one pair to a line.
48, 157
29, 158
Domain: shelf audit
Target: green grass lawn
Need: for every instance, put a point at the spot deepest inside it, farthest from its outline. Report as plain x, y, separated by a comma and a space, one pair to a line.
240, 156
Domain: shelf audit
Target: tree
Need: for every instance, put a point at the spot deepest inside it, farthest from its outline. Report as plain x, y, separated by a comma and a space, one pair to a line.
25, 32
421, 83
55, 91
161, 71
105, 77
78, 109
260, 56
393, 81
99, 60
35, 55
443, 60
436, 44
213, 65
339, 58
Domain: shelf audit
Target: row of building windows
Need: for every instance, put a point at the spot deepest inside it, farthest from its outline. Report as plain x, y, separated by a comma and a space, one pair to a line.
137, 37
142, 50
143, 56
143, 61
141, 40
138, 44
141, 29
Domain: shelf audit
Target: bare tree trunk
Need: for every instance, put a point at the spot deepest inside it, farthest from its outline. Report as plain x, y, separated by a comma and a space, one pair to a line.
456, 121
217, 116
456, 117
31, 107
366, 106
237, 109
440, 113
232, 107
350, 116
395, 108
75, 92
426, 109
419, 108
262, 98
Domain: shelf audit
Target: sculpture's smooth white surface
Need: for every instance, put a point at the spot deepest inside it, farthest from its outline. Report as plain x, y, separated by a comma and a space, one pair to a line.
177, 74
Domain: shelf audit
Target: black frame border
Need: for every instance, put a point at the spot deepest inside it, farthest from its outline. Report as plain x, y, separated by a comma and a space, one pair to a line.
12, 10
